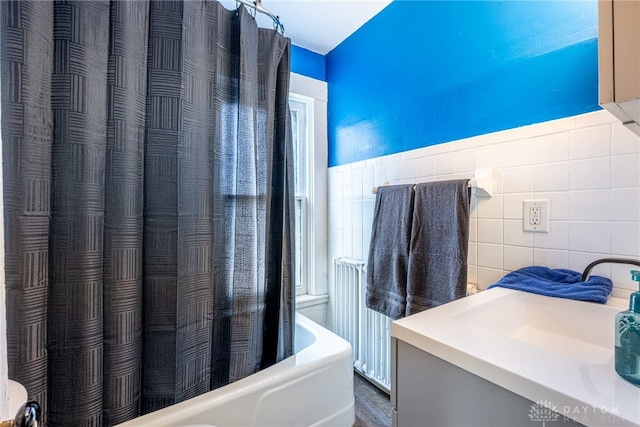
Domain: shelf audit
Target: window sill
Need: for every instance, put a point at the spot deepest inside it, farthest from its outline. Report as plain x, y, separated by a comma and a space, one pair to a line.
306, 300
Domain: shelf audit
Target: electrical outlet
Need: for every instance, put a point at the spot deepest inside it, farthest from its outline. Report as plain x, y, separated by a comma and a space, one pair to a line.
535, 215
534, 218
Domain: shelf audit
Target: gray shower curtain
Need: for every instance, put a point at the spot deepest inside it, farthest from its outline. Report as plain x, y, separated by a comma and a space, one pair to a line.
148, 202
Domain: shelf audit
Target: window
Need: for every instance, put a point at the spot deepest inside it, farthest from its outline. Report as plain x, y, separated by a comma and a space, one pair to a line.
300, 126
308, 104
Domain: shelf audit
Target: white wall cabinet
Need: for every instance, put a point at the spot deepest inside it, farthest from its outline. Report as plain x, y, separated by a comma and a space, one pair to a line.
619, 59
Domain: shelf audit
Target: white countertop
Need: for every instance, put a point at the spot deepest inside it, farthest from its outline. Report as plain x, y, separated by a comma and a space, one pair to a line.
575, 375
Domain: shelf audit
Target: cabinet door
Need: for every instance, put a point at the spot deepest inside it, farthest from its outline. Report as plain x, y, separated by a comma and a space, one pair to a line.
429, 391
626, 49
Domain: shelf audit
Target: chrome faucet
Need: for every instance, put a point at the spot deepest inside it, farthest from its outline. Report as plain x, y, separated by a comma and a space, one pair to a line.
585, 274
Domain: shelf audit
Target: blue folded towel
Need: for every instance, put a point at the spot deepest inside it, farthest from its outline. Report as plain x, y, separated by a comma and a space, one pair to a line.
558, 283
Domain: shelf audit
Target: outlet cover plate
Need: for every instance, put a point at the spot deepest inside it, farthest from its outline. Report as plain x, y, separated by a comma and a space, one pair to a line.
535, 215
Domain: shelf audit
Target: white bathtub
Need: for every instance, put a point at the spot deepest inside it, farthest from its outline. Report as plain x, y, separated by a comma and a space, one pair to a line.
314, 387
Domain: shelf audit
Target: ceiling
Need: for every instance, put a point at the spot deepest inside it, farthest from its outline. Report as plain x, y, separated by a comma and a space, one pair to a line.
318, 25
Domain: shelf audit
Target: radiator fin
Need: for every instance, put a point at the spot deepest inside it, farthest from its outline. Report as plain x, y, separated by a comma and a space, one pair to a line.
368, 331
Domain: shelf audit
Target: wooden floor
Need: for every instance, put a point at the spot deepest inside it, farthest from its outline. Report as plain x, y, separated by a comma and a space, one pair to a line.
373, 408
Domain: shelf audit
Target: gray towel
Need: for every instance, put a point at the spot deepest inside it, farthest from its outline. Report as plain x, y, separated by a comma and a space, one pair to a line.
437, 271
389, 250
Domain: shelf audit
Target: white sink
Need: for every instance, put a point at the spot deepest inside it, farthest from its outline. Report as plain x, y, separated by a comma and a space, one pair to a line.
581, 330
541, 348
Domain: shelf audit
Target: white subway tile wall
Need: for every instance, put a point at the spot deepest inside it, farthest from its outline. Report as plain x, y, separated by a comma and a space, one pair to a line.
587, 166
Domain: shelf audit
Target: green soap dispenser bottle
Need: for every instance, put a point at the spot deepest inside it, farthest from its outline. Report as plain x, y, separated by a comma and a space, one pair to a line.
627, 353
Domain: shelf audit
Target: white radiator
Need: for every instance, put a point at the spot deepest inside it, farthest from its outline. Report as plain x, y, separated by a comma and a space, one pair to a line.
368, 331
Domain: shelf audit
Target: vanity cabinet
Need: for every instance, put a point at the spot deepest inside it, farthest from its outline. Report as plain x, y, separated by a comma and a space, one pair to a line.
619, 60
498, 357
429, 391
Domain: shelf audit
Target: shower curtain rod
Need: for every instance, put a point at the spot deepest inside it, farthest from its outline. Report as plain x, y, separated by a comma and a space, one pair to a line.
257, 6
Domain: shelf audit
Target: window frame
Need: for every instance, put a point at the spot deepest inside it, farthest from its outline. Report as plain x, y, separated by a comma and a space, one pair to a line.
317, 201
303, 105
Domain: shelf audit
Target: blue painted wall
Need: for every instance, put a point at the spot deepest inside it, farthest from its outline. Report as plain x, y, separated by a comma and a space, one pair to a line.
307, 63
426, 72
